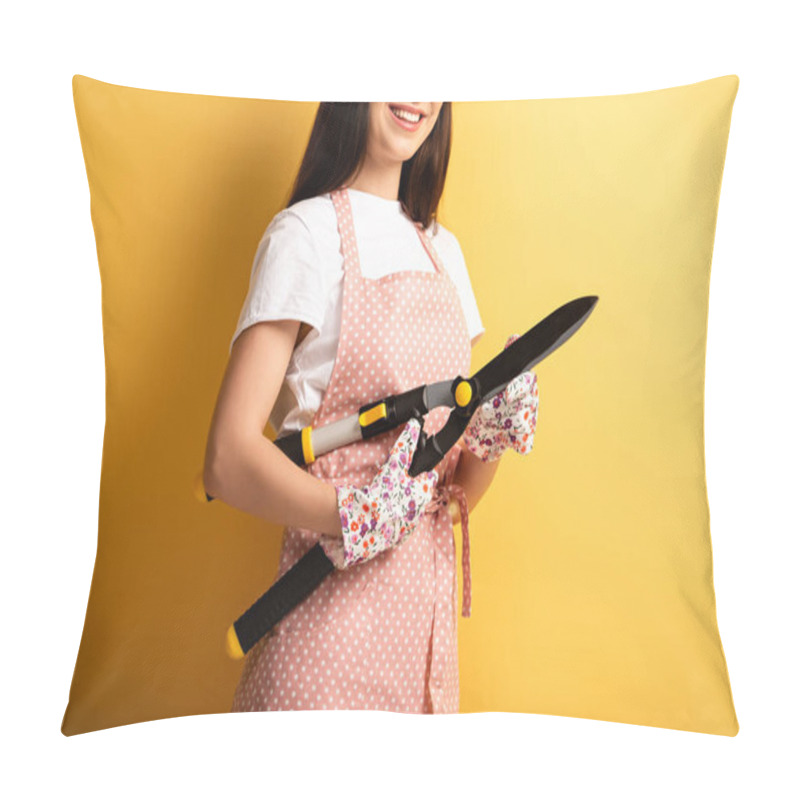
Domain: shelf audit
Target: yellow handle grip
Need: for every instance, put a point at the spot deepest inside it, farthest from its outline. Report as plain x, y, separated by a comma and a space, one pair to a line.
232, 646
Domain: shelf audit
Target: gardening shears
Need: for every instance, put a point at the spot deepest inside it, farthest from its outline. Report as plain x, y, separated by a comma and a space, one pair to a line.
462, 395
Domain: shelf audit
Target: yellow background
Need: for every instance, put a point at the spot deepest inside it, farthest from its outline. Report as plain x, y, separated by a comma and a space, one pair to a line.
591, 558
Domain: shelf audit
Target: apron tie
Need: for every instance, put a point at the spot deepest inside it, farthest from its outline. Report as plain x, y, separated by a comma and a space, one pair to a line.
441, 498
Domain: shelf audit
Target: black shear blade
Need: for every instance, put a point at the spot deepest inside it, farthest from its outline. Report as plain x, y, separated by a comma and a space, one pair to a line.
527, 351
434, 448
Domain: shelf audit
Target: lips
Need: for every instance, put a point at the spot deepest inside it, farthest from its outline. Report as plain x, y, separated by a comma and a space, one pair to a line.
406, 109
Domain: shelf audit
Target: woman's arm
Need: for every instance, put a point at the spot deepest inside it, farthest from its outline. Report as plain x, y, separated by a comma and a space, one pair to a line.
243, 468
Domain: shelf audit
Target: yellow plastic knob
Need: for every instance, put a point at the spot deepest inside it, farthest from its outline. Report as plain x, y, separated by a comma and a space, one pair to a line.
463, 393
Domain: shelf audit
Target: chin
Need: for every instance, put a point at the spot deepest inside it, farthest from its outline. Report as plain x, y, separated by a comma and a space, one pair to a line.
404, 150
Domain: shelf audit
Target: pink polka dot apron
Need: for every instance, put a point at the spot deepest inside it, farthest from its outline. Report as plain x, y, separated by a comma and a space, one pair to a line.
380, 635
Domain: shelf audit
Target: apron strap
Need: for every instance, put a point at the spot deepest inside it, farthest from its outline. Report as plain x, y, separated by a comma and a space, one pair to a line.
444, 492
347, 234
454, 490
429, 248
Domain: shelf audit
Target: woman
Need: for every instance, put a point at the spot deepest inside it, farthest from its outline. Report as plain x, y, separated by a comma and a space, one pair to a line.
321, 333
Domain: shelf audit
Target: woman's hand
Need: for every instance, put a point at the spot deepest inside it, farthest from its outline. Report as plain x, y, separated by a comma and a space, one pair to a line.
507, 420
383, 514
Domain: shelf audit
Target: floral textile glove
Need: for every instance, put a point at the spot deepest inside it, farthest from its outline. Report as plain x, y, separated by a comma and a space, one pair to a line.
507, 420
383, 514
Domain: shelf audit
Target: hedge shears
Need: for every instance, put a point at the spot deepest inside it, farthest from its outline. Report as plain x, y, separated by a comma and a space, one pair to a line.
461, 395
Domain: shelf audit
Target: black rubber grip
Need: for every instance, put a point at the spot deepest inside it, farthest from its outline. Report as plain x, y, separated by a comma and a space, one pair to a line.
285, 594
292, 446
410, 404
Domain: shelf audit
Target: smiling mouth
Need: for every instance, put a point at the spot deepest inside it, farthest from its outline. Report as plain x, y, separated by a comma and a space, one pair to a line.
407, 116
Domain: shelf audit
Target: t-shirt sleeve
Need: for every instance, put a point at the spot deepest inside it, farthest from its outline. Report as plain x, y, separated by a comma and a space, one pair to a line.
453, 258
285, 280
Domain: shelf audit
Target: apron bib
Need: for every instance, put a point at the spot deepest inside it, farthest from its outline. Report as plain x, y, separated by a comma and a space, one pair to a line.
381, 635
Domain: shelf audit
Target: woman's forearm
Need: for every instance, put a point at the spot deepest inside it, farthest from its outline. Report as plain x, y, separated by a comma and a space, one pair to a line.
259, 479
474, 476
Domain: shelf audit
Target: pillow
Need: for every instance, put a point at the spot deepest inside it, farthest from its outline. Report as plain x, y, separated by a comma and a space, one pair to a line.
592, 587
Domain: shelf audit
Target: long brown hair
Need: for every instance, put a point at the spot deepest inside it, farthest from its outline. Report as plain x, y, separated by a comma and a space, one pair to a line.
338, 144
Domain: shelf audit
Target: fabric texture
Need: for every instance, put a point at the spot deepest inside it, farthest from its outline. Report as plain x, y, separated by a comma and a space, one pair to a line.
385, 513
298, 273
507, 420
381, 635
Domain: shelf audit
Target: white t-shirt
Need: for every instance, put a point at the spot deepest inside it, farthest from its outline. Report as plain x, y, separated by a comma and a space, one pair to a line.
298, 273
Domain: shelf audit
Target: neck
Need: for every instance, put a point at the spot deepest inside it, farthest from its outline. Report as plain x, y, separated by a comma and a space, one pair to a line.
382, 180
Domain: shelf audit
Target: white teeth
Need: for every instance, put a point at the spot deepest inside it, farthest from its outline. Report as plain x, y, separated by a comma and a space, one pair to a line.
406, 115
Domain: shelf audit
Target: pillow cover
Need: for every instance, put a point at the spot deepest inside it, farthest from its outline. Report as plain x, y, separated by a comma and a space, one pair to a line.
591, 559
